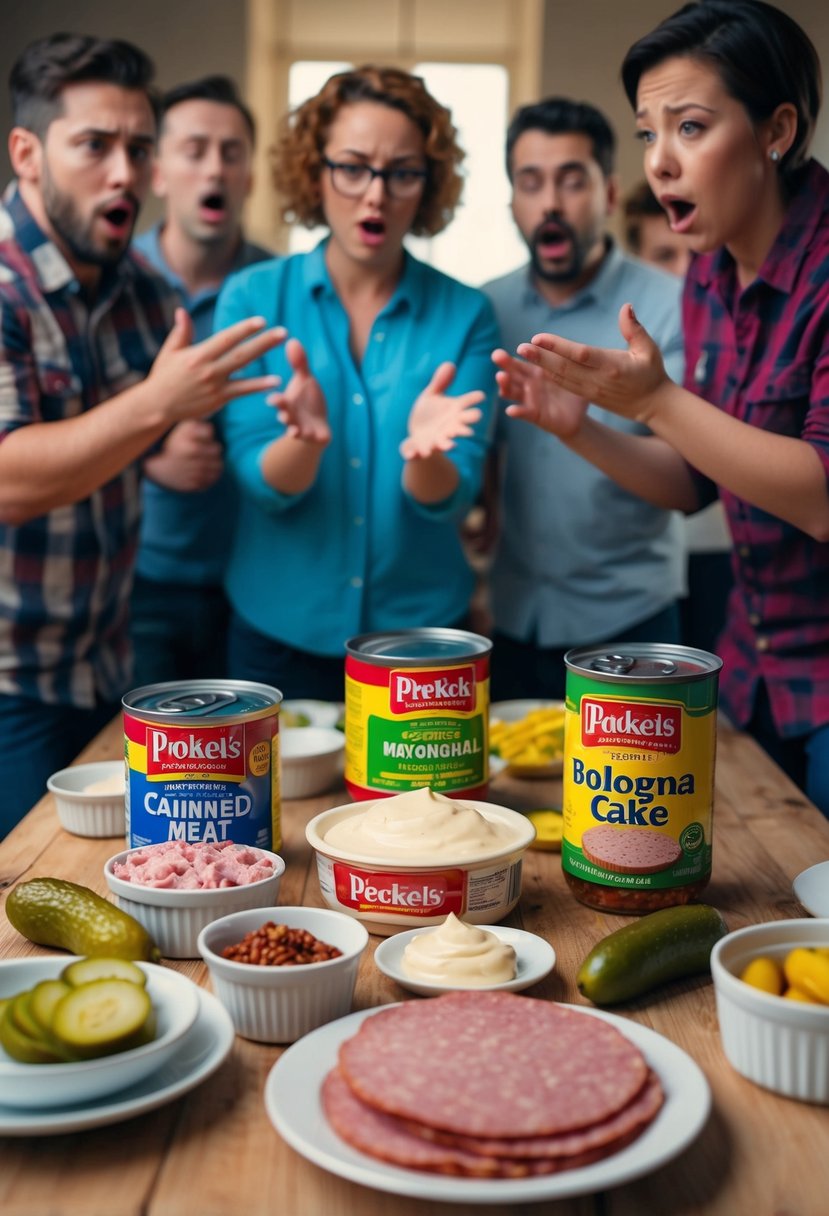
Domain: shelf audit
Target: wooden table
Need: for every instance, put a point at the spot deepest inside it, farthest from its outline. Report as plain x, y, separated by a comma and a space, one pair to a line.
214, 1151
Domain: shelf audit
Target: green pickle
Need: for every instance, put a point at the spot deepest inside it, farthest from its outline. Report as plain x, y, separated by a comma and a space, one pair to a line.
54, 912
102, 1017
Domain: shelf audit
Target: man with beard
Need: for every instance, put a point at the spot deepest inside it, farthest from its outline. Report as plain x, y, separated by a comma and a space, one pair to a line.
179, 611
577, 560
91, 377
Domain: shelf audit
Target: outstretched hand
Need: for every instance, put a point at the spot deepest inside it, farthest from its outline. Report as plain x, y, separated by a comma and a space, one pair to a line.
536, 397
301, 406
437, 420
622, 381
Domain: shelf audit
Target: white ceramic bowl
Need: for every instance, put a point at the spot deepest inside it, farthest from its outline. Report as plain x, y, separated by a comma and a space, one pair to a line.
176, 1002
311, 758
302, 714
174, 918
394, 896
779, 1044
280, 1004
84, 813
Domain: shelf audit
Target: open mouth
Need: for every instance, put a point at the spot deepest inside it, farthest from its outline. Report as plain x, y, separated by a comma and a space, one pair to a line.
118, 216
373, 227
553, 241
214, 202
680, 212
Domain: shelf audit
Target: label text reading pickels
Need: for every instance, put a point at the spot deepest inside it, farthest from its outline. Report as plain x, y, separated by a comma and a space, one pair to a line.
218, 750
444, 688
645, 726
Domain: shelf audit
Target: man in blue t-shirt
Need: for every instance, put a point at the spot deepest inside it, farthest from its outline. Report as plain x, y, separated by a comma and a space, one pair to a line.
203, 174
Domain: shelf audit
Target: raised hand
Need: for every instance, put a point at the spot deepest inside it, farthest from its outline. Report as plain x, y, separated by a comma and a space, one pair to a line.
190, 381
301, 406
190, 458
626, 382
437, 420
536, 397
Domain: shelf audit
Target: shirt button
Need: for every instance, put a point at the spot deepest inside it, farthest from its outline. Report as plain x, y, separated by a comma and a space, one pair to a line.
356, 462
357, 399
358, 521
356, 582
745, 551
762, 643
754, 618
381, 337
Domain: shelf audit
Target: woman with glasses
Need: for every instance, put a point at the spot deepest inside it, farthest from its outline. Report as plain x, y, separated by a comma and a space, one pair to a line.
356, 474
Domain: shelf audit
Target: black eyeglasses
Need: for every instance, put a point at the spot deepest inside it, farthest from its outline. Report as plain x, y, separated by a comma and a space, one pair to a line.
353, 179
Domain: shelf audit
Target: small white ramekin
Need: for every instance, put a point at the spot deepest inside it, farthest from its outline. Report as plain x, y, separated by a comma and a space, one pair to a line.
174, 918
280, 1004
85, 814
311, 760
779, 1044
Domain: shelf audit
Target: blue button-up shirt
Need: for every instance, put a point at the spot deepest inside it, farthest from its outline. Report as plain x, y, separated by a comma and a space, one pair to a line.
354, 552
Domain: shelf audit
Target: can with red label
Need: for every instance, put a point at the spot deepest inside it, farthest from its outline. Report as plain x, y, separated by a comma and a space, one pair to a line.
416, 713
639, 751
202, 760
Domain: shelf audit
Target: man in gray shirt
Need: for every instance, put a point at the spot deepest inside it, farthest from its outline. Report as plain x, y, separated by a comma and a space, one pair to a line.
578, 560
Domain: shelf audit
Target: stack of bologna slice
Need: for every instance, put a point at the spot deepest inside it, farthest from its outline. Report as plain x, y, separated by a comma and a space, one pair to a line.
489, 1084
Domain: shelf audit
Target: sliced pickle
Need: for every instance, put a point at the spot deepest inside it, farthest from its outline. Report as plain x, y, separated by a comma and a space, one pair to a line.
85, 970
21, 1046
101, 1017
42, 1000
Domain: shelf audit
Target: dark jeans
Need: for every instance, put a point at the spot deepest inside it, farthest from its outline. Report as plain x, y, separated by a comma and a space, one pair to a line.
178, 632
523, 669
35, 741
805, 759
296, 673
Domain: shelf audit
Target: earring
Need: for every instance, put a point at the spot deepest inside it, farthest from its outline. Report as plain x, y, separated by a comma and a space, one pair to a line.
774, 155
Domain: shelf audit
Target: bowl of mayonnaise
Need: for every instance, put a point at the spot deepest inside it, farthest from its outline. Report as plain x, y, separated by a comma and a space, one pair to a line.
409, 860
89, 798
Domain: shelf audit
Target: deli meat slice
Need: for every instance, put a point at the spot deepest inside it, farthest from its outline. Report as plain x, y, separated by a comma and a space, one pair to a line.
385, 1137
494, 1065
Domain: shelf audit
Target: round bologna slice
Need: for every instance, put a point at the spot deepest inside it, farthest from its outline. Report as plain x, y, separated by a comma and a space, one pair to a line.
387, 1139
630, 850
493, 1064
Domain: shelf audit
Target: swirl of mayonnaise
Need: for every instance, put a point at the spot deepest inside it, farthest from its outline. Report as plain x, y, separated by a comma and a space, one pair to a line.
459, 954
419, 825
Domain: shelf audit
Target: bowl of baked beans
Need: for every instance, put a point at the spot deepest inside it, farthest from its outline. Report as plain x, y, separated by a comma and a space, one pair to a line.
281, 972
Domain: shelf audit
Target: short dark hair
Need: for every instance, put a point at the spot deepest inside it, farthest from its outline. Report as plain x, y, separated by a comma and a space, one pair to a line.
47, 66
638, 204
209, 88
561, 116
761, 55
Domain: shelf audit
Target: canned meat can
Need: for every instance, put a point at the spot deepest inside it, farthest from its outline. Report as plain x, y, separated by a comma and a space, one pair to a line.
202, 760
416, 713
639, 750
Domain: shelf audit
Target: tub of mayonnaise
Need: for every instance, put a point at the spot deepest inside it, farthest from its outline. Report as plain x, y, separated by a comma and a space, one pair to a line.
406, 861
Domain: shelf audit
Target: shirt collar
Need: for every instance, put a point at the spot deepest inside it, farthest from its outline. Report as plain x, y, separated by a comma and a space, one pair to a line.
409, 291
805, 212
610, 267
149, 244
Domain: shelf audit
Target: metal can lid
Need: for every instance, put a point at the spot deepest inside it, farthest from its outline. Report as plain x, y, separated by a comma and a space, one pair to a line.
182, 700
413, 647
643, 662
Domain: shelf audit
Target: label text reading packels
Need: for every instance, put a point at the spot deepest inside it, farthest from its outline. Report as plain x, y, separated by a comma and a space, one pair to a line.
643, 725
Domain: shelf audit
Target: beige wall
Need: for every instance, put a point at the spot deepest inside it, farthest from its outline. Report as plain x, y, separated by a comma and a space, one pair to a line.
584, 45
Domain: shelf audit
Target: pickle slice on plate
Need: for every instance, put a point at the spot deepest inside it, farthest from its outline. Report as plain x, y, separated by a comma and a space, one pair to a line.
102, 1017
42, 1001
85, 970
25, 1048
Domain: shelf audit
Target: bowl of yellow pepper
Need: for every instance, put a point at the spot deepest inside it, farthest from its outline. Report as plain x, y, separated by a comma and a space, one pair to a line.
527, 737
772, 989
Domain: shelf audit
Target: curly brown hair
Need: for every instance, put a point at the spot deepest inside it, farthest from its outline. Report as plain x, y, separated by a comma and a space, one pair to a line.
297, 156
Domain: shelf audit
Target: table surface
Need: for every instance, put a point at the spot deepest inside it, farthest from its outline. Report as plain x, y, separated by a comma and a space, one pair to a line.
215, 1151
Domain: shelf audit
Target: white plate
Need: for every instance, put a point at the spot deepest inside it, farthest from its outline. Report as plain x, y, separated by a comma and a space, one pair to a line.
293, 1105
812, 889
318, 713
514, 711
202, 1050
534, 959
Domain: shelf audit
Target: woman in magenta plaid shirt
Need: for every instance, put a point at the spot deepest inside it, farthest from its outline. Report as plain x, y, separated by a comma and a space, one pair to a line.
726, 95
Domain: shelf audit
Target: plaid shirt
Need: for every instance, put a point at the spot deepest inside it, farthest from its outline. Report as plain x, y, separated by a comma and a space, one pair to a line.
65, 577
763, 356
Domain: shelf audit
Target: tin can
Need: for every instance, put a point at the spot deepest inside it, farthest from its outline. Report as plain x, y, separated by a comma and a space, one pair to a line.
416, 713
202, 759
639, 752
